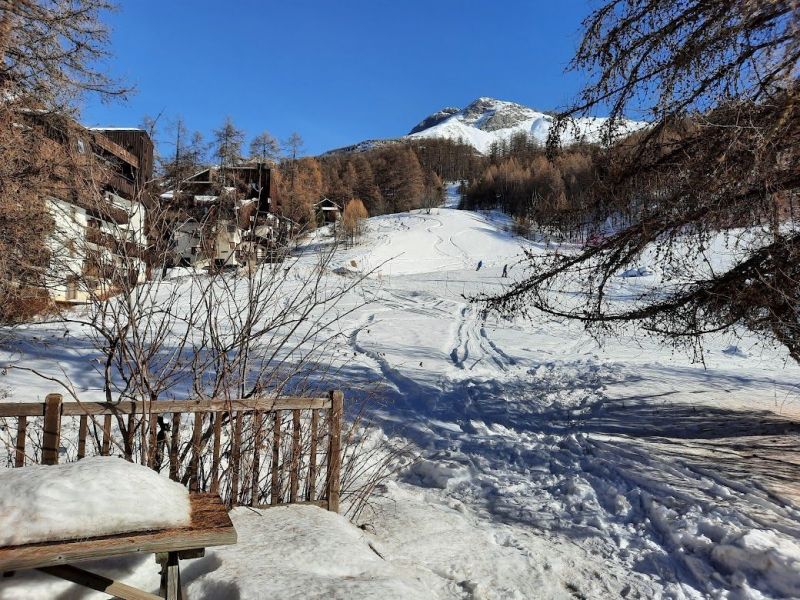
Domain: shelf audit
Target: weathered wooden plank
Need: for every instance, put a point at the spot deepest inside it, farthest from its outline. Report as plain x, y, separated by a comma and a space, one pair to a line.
171, 578
173, 446
194, 481
144, 457
115, 149
83, 429
236, 457
51, 436
215, 455
106, 435
275, 490
335, 450
210, 526
152, 447
183, 554
31, 409
258, 439
312, 459
22, 430
22, 409
294, 473
98, 582
130, 431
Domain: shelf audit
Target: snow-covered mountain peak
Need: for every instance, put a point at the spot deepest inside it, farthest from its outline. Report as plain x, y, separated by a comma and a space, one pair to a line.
488, 120
489, 114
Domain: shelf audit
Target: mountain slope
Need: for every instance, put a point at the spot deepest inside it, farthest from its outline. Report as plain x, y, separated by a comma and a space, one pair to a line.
487, 120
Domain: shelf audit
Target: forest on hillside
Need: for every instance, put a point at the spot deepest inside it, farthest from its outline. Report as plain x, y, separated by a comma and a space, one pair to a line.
393, 178
516, 176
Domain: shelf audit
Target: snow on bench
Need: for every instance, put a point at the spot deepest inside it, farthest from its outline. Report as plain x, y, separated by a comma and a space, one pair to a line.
96, 496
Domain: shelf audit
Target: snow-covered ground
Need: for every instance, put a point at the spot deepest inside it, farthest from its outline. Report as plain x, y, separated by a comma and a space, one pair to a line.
549, 466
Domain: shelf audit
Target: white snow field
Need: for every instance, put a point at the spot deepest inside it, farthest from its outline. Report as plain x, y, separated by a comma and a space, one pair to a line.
100, 495
548, 466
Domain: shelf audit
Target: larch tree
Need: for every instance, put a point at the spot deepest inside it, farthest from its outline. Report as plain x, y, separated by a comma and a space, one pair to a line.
188, 157
264, 148
719, 166
353, 220
228, 141
293, 146
400, 179
301, 190
365, 187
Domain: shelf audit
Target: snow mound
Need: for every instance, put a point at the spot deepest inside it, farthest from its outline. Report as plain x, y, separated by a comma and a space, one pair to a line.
437, 474
733, 350
761, 554
304, 552
636, 272
96, 496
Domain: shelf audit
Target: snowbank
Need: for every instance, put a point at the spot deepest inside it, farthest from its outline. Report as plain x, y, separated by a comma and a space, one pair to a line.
95, 496
302, 552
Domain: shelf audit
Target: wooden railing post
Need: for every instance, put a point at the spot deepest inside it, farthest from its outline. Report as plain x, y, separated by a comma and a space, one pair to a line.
152, 446
22, 428
294, 472
106, 447
173, 446
334, 482
52, 429
197, 432
312, 459
83, 429
275, 488
216, 452
236, 457
258, 425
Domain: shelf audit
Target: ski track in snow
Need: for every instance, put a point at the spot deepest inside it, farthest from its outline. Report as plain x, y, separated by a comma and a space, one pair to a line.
517, 441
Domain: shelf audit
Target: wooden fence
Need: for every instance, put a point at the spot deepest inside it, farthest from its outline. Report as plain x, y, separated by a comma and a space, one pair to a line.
241, 449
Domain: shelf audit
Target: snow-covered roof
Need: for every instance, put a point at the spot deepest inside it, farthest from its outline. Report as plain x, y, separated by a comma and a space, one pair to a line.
97, 128
328, 201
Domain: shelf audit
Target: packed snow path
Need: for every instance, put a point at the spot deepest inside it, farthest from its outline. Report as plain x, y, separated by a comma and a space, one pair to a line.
645, 475
548, 467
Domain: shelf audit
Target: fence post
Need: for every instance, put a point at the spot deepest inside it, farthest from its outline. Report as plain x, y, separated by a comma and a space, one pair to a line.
22, 428
52, 429
335, 450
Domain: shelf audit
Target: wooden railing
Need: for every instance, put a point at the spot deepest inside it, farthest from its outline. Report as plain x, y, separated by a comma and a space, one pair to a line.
259, 452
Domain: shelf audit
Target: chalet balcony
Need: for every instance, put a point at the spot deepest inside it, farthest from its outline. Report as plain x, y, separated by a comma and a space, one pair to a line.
123, 186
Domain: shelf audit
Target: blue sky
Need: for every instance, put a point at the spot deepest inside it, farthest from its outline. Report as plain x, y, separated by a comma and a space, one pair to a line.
339, 71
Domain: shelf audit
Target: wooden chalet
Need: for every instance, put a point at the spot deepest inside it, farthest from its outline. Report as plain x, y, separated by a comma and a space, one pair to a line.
327, 211
99, 239
227, 216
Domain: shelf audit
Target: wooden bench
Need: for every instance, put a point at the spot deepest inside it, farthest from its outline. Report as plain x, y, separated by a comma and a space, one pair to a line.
210, 526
